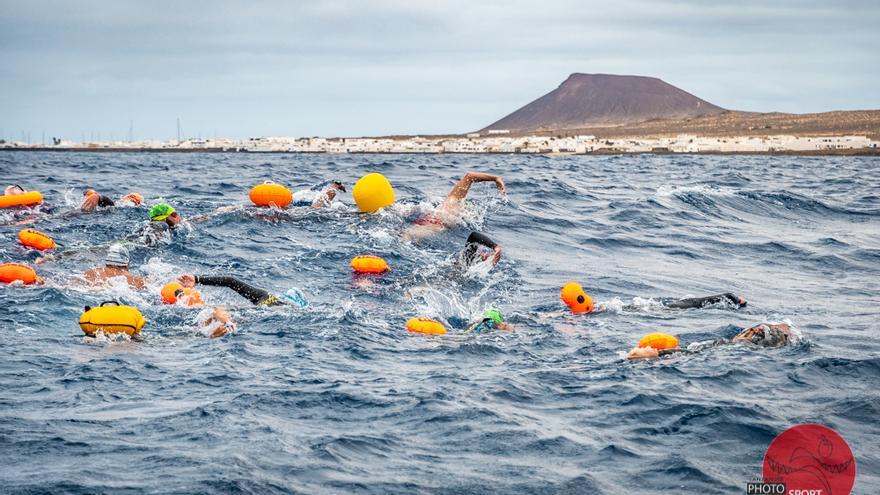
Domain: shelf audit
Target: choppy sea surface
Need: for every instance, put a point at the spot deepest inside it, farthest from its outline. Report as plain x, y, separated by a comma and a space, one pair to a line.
340, 398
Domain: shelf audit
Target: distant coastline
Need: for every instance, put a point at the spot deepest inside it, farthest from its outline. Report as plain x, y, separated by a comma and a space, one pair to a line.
828, 152
475, 143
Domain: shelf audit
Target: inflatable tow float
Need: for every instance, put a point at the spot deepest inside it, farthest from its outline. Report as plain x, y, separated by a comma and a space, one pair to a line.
110, 317
271, 194
36, 239
426, 326
12, 272
369, 264
29, 198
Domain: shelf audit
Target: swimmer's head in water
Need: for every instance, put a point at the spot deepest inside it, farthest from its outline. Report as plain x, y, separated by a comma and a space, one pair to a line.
13, 190
117, 255
134, 198
494, 315
339, 185
295, 296
161, 211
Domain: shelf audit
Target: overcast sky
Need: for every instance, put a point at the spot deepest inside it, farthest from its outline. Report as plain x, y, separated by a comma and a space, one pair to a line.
337, 68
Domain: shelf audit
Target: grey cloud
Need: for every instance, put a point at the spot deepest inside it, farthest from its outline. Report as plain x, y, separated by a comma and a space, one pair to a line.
337, 68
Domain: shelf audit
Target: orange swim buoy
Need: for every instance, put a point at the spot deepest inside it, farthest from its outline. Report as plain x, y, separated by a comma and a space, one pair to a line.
270, 194
29, 198
10, 272
574, 297
659, 341
173, 292
36, 239
369, 264
426, 326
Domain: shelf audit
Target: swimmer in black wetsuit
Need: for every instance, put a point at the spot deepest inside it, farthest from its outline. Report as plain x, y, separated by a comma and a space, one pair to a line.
763, 335
473, 254
253, 294
701, 302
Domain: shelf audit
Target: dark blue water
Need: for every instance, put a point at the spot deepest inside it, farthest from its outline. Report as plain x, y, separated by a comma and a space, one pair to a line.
339, 398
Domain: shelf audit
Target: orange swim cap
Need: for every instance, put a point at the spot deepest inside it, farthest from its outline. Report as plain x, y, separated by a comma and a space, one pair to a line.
170, 292
574, 297
173, 292
135, 198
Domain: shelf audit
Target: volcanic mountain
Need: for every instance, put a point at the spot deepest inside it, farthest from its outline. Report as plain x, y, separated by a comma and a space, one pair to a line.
585, 100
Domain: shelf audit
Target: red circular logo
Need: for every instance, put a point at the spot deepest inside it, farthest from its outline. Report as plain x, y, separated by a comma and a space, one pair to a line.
809, 458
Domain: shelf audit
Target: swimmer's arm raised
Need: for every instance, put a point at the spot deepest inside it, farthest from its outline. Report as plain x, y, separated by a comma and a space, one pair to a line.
220, 315
461, 188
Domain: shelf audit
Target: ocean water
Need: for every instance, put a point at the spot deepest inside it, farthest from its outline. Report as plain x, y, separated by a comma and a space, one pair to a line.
340, 398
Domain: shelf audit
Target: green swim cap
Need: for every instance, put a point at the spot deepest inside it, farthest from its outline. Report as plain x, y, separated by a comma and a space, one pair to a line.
161, 211
494, 314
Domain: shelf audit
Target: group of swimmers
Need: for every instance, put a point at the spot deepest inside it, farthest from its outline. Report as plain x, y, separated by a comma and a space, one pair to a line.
479, 248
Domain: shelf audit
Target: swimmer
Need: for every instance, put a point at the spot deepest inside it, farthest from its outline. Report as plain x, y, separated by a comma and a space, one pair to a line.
93, 200
253, 294
13, 190
163, 220
449, 210
115, 265
473, 254
327, 196
218, 324
763, 335
492, 320
727, 298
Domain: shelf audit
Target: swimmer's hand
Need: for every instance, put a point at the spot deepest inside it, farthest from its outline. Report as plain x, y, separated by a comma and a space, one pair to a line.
90, 203
496, 255
43, 259
188, 281
499, 183
643, 353
220, 315
227, 209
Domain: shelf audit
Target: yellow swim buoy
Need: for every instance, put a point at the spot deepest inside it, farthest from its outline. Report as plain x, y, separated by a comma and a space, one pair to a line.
36, 239
574, 297
29, 198
11, 272
659, 341
372, 192
270, 194
369, 264
111, 319
426, 326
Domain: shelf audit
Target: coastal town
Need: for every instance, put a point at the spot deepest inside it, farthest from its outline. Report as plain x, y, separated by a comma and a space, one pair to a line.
493, 141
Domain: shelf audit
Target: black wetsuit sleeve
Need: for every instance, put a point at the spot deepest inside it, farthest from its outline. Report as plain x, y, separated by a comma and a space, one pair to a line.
474, 241
676, 350
478, 238
249, 292
699, 302
104, 201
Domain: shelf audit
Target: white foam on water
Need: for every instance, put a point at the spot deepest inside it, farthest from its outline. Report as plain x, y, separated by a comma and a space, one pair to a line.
708, 190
